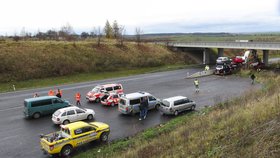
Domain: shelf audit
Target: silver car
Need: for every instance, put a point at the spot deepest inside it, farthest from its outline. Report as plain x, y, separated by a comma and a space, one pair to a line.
175, 105
129, 103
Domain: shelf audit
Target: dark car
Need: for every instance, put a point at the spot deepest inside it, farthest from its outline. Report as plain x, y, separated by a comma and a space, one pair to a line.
223, 69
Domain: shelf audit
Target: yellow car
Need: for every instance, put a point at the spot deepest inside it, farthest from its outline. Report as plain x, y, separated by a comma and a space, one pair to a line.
73, 135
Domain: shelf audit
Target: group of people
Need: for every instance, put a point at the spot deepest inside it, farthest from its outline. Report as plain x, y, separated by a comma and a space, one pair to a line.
59, 95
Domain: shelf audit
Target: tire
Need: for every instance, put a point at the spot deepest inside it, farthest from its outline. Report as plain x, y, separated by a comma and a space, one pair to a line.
36, 115
193, 108
66, 151
97, 100
176, 113
90, 117
113, 104
65, 122
104, 137
157, 106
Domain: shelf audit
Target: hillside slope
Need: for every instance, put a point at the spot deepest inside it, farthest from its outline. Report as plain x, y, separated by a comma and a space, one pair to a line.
40, 59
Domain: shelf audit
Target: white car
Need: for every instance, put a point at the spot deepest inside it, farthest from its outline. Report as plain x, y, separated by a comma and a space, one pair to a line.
221, 60
71, 114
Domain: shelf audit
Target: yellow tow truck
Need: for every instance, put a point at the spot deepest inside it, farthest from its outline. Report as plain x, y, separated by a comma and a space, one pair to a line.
73, 135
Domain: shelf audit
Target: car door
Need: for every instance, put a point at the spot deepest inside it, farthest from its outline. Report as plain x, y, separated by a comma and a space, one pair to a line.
81, 114
71, 115
186, 104
152, 102
84, 135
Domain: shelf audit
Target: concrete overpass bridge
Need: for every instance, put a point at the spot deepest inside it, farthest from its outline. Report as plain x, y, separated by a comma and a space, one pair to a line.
264, 46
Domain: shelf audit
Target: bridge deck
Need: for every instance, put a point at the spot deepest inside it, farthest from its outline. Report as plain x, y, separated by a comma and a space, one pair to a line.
233, 45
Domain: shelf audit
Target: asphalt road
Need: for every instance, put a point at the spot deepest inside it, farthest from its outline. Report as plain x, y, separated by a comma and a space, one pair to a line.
19, 137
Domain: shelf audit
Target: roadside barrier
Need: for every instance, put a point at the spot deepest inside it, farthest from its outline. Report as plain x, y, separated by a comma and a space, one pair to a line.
201, 74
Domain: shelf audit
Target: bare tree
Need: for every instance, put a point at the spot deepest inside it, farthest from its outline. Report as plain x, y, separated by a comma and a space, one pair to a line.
120, 38
138, 33
99, 35
67, 32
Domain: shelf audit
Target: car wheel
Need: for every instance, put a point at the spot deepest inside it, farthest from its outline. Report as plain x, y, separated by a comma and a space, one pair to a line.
36, 115
113, 104
104, 137
66, 151
176, 113
157, 106
90, 117
193, 107
97, 100
65, 122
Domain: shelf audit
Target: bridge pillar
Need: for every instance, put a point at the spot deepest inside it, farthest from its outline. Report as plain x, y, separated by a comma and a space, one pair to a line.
220, 52
206, 56
265, 57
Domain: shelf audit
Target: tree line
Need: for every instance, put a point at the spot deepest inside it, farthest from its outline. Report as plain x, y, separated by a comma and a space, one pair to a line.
67, 33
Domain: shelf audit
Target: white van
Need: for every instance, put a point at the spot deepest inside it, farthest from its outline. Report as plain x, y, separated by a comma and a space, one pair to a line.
129, 103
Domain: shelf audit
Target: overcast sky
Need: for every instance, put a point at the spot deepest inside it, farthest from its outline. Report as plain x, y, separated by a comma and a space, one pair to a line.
152, 16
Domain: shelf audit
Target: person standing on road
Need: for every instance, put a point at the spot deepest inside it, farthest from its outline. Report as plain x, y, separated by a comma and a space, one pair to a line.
252, 78
35, 95
206, 68
196, 84
146, 106
143, 108
51, 92
78, 99
59, 93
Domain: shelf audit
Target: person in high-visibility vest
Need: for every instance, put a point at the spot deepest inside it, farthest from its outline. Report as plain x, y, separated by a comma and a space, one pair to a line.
207, 68
51, 92
196, 84
78, 99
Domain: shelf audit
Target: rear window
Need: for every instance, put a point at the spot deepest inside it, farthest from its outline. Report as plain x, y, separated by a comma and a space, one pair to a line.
109, 88
122, 101
57, 113
135, 101
71, 112
41, 103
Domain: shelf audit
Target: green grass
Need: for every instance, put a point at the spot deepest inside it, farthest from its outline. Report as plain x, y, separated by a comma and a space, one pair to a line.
82, 77
247, 126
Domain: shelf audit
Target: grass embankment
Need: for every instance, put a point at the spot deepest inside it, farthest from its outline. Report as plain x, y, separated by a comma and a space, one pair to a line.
42, 63
244, 127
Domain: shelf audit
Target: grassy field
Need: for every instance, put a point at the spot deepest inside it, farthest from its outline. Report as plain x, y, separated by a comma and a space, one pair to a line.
247, 126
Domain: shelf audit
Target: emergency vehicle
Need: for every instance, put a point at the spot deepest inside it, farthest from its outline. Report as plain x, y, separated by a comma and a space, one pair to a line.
99, 91
73, 135
110, 99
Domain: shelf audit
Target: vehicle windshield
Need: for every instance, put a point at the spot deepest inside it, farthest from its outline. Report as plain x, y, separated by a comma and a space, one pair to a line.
57, 113
219, 66
95, 89
122, 101
165, 103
